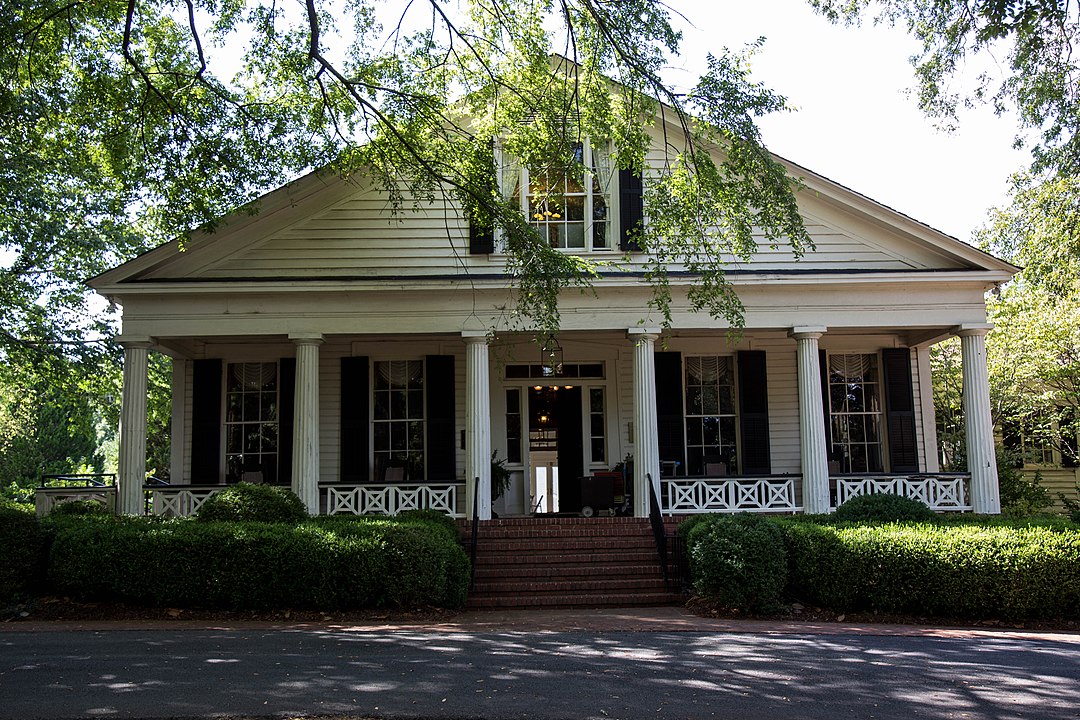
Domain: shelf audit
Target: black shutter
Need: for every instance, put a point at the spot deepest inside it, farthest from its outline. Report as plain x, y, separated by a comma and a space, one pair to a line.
481, 239
631, 210
900, 410
206, 422
441, 452
669, 408
481, 229
754, 413
286, 413
355, 419
823, 367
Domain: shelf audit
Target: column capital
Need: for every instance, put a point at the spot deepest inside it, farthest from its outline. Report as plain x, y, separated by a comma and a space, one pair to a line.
807, 332
972, 329
306, 338
135, 341
471, 337
648, 334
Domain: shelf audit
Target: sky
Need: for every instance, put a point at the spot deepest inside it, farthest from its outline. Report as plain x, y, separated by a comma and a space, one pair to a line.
855, 124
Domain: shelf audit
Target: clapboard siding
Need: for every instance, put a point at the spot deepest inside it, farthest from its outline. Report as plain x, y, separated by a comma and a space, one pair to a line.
783, 405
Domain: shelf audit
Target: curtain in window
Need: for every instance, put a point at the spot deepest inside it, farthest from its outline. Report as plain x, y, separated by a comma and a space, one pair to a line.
708, 370
399, 373
252, 376
852, 368
602, 167
509, 174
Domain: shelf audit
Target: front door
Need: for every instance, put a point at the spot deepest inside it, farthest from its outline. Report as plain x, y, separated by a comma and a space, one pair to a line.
556, 449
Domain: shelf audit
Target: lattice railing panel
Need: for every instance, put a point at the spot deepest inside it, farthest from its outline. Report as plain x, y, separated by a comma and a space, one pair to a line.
390, 499
179, 501
685, 496
939, 491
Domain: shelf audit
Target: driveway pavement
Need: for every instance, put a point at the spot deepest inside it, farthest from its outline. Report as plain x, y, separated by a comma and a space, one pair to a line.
651, 663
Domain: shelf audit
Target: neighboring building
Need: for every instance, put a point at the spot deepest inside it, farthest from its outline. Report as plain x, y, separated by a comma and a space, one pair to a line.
327, 344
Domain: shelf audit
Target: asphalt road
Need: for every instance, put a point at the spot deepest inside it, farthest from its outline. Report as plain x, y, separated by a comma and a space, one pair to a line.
411, 673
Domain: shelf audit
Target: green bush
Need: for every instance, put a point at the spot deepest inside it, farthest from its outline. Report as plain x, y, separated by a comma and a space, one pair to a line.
21, 543
79, 507
436, 518
738, 560
329, 564
245, 502
883, 507
970, 570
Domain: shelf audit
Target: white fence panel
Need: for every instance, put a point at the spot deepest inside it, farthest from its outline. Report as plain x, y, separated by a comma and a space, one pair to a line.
685, 496
940, 491
390, 499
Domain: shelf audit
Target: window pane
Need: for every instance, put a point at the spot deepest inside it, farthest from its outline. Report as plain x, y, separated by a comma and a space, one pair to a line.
596, 400
269, 406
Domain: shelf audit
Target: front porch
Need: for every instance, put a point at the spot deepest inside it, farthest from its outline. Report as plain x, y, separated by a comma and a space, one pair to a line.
942, 492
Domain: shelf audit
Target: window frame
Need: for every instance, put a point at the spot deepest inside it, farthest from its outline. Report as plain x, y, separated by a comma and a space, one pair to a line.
412, 469
227, 425
505, 166
879, 416
734, 460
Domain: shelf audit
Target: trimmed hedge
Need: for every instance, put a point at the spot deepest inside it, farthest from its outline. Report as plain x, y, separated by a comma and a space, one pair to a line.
953, 570
244, 502
738, 560
21, 543
330, 563
883, 507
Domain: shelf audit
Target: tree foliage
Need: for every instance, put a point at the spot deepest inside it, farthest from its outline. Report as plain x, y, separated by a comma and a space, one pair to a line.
126, 129
1039, 78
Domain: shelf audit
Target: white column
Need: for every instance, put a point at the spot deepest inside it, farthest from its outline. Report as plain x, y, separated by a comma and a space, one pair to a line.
979, 427
477, 424
132, 461
646, 436
305, 462
815, 459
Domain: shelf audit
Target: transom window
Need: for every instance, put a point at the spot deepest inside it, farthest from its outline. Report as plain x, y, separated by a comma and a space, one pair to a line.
399, 438
710, 416
568, 203
251, 422
855, 411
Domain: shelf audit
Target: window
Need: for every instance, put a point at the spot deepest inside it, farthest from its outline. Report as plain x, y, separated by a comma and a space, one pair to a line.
855, 413
251, 422
399, 420
569, 204
513, 425
710, 416
596, 425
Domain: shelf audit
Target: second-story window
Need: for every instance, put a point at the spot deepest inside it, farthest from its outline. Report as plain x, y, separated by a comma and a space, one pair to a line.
568, 203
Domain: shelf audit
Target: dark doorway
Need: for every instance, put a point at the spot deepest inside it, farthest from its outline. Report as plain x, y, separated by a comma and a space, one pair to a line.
556, 450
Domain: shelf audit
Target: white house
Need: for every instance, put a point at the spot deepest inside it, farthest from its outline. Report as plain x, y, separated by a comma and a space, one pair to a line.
361, 357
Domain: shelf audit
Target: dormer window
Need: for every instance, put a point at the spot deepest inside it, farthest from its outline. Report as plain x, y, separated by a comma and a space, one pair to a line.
569, 204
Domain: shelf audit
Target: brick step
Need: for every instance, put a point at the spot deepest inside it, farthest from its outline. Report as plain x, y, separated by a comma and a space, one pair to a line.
634, 599
612, 557
567, 570
557, 533
563, 584
540, 545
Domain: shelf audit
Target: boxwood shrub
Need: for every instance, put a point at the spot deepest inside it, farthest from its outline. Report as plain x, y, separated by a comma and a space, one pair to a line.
21, 543
969, 570
883, 507
331, 564
248, 501
738, 560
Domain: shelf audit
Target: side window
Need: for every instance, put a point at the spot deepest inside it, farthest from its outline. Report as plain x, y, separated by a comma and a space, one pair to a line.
398, 420
709, 383
251, 422
855, 412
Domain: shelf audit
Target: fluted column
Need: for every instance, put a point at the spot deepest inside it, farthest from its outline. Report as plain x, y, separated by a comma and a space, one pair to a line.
979, 427
646, 436
477, 424
814, 454
305, 462
131, 474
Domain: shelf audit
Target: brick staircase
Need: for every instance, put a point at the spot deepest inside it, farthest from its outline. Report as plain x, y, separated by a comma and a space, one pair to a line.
567, 562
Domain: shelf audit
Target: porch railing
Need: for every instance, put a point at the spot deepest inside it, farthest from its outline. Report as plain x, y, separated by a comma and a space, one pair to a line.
178, 500
57, 489
942, 492
687, 496
390, 499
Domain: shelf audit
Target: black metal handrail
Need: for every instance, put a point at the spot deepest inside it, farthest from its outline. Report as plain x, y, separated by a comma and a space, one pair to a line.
90, 479
475, 531
657, 522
